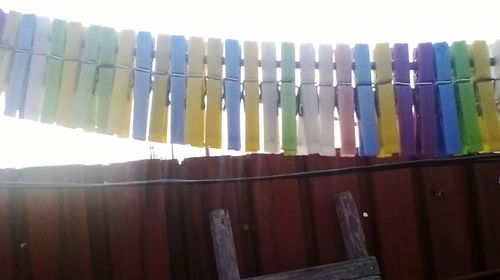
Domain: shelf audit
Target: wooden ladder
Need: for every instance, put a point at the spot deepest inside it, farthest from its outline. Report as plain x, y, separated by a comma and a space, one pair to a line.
359, 265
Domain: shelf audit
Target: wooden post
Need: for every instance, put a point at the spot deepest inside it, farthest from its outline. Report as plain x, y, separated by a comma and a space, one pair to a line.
225, 253
350, 225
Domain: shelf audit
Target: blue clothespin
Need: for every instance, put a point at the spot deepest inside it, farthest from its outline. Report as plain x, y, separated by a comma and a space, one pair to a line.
425, 104
2, 22
142, 84
365, 102
449, 133
232, 93
177, 88
14, 97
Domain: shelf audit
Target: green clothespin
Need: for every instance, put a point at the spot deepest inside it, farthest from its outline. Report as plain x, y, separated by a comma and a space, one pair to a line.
468, 114
288, 99
85, 98
106, 72
54, 70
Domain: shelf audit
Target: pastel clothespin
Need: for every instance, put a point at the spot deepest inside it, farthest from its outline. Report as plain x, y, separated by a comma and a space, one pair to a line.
36, 78
345, 99
85, 98
2, 22
495, 53
194, 132
425, 97
309, 99
288, 100
213, 126
485, 96
54, 71
232, 93
449, 132
365, 102
159, 105
385, 99
270, 97
16, 90
404, 100
178, 89
326, 100
142, 84
69, 76
120, 108
105, 76
251, 96
470, 134
7, 44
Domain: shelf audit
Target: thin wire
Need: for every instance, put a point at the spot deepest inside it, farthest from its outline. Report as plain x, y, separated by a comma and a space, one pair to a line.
315, 173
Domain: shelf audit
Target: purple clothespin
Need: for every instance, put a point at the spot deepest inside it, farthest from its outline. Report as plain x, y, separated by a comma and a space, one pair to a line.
404, 100
425, 100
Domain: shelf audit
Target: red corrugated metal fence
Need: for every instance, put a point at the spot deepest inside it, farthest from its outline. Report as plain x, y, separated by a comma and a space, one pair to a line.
421, 223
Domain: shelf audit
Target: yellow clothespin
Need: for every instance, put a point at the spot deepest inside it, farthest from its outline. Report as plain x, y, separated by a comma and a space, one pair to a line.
485, 96
387, 120
195, 94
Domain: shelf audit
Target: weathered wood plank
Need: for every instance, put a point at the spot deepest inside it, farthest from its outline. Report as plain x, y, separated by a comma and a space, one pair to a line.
350, 225
225, 253
353, 269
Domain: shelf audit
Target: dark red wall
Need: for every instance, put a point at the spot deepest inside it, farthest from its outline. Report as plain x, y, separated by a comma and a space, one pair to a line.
423, 223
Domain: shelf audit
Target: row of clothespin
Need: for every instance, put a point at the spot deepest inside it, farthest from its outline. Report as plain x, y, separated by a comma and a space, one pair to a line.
101, 80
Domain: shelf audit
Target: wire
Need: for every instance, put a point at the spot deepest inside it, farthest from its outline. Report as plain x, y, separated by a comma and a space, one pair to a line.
314, 173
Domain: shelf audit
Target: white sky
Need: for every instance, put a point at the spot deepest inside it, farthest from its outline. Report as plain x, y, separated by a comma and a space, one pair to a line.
25, 143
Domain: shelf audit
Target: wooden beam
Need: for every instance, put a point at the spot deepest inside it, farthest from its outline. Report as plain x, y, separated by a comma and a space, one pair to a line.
225, 253
350, 225
364, 268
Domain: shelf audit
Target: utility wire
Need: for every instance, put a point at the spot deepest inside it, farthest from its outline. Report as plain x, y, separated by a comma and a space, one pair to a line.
314, 173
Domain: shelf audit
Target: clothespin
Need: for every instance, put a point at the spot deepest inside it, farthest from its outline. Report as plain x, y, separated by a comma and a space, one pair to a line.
365, 101
2, 22
36, 78
309, 99
485, 96
326, 100
288, 99
54, 70
120, 108
16, 90
105, 76
213, 127
69, 75
386, 105
470, 134
404, 100
159, 106
178, 89
270, 98
425, 97
495, 51
7, 45
232, 93
345, 99
142, 83
85, 98
195, 96
251, 96
449, 132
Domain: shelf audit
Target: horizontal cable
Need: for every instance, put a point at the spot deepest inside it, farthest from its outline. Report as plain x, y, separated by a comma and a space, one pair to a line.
315, 173
413, 65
